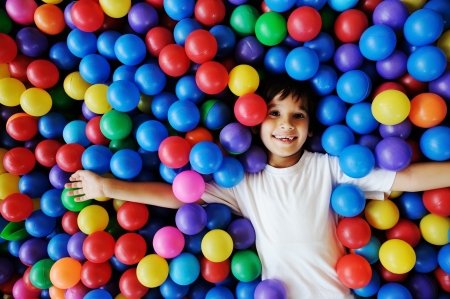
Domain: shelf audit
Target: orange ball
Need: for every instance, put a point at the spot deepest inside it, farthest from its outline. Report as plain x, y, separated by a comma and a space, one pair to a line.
56, 293
65, 273
49, 18
197, 135
354, 271
427, 110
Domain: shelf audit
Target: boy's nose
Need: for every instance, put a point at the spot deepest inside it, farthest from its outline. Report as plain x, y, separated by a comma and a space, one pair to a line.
286, 124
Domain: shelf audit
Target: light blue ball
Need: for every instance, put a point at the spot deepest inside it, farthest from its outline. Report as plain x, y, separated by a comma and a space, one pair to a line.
331, 110
341, 5
360, 119
57, 246
337, 137
186, 89
150, 134
219, 292
123, 95
126, 164
371, 288
393, 290
435, 143
94, 69
356, 161
302, 63
106, 42
348, 200
97, 158
179, 9
324, 81
354, 86
423, 27
130, 49
370, 250
230, 173
205, 157
40, 225
280, 5
274, 60
324, 46
150, 79
183, 116
377, 42
124, 72
51, 204
75, 132
98, 294
317, 4
161, 104
427, 63
184, 269
183, 28
81, 43
444, 258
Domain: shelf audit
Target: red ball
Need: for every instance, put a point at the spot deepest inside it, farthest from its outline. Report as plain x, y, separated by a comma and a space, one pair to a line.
8, 50
417, 155
16, 207
93, 132
87, 15
132, 216
27, 283
354, 271
156, 3
201, 46
157, 38
173, 60
42, 73
387, 86
45, 152
69, 222
250, 109
68, 157
110, 23
412, 86
98, 247
388, 276
350, 25
368, 6
174, 152
130, 248
437, 201
442, 278
166, 21
209, 12
130, 286
95, 275
353, 232
211, 77
8, 285
19, 161
18, 67
304, 24
214, 272
22, 126
405, 230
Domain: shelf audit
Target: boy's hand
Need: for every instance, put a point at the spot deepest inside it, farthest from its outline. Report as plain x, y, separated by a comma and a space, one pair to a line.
88, 185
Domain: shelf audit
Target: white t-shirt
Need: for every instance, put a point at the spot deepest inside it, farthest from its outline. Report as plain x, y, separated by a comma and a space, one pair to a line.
294, 223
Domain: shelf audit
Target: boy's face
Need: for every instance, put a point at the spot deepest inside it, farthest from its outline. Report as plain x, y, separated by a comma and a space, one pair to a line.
284, 131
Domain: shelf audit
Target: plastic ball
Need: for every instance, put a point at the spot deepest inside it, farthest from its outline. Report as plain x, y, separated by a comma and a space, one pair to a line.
337, 137
96, 158
434, 201
94, 133
42, 73
274, 60
235, 138
426, 257
324, 80
65, 273
19, 161
250, 109
10, 91
270, 288
173, 60
132, 216
209, 13
218, 216
423, 27
214, 114
130, 248
35, 101
200, 46
21, 12
75, 87
347, 200
340, 6
212, 77
381, 214
393, 153
51, 203
94, 69
393, 14
98, 293
434, 145
150, 79
184, 269
271, 28
174, 152
98, 247
243, 79
353, 271
115, 9
16, 207
427, 110
93, 275
168, 242
391, 107
372, 287
150, 134
217, 245
254, 159
440, 86
57, 246
405, 230
92, 218
183, 116
87, 16
30, 41
105, 44
183, 28
370, 250
331, 110
205, 157
21, 126
49, 19
187, 90
377, 42
434, 229
245, 265
304, 23
68, 157
182, 186
354, 86
426, 63
302, 63
152, 271
397, 256
350, 25
190, 219
157, 38
226, 39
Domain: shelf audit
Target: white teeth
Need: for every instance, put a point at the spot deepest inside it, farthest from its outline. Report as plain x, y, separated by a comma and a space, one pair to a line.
284, 137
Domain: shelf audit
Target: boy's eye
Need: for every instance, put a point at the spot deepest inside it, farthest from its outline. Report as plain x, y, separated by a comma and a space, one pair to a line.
299, 115
274, 113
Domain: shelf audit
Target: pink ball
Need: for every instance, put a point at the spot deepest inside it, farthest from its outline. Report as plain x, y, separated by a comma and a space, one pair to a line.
21, 11
168, 242
188, 186
20, 291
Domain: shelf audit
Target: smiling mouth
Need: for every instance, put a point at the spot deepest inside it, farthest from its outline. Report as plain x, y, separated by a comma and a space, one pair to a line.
284, 138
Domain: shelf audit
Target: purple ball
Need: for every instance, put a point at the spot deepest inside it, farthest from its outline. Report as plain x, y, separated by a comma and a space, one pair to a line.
391, 13
393, 153
6, 112
314, 144
235, 138
421, 285
31, 41
58, 177
75, 246
290, 42
242, 233
6, 269
33, 142
249, 50
76, 292
191, 218
392, 67
88, 114
402, 130
369, 140
142, 17
68, 17
441, 86
348, 57
270, 289
237, 2
254, 159
32, 251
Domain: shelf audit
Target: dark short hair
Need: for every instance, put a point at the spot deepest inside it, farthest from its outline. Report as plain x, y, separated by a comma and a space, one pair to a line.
284, 85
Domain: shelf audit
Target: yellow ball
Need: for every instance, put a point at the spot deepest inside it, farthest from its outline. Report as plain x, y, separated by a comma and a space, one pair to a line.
217, 245
381, 214
122, 296
397, 256
152, 271
75, 86
96, 99
52, 1
4, 71
117, 203
10, 91
9, 184
243, 79
145, 103
114, 8
395, 194
414, 5
92, 219
36, 204
2, 154
434, 229
391, 107
36, 101
443, 43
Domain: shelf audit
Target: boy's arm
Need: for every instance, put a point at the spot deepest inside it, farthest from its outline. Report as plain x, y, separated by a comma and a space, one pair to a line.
423, 176
95, 186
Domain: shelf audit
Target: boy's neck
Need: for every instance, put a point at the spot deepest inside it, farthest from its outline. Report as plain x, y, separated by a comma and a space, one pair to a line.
283, 162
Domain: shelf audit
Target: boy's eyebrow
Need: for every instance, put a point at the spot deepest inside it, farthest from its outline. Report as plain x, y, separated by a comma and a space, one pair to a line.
275, 105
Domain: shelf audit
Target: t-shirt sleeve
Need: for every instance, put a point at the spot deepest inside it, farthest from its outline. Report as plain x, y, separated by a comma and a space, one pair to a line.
216, 194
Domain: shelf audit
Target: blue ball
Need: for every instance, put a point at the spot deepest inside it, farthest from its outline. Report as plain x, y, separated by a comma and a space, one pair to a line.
183, 28
150, 79
219, 292
205, 157
370, 250
150, 160
124, 72
444, 258
14, 247
51, 204
246, 290
179, 9
81, 43
96, 158
226, 39
184, 269
123, 95
94, 69
98, 294
193, 243
186, 89
150, 134
218, 216
126, 164
215, 114
341, 5
161, 104
230, 173
168, 174
371, 288
106, 42
34, 184
426, 257
435, 143
427, 63
51, 125
393, 290
280, 6
274, 60
183, 116
302, 63
40, 225
75, 132
199, 289
423, 27
324, 46
410, 205
57, 246
337, 137
3, 223
356, 161
62, 58
317, 4
348, 200
324, 81
331, 110
360, 119
354, 86
170, 289
139, 120
130, 49
377, 42
442, 7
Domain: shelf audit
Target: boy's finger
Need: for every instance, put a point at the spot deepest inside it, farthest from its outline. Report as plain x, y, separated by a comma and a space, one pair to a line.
80, 198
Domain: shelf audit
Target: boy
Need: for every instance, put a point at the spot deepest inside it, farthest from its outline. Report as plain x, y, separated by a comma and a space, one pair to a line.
288, 202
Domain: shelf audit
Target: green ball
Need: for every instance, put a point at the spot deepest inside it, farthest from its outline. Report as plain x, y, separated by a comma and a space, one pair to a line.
60, 99
40, 274
5, 22
127, 143
270, 28
245, 265
70, 203
115, 125
114, 229
328, 16
243, 19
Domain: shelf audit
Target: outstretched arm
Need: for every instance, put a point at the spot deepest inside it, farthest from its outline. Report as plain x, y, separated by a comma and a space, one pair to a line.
91, 185
423, 176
